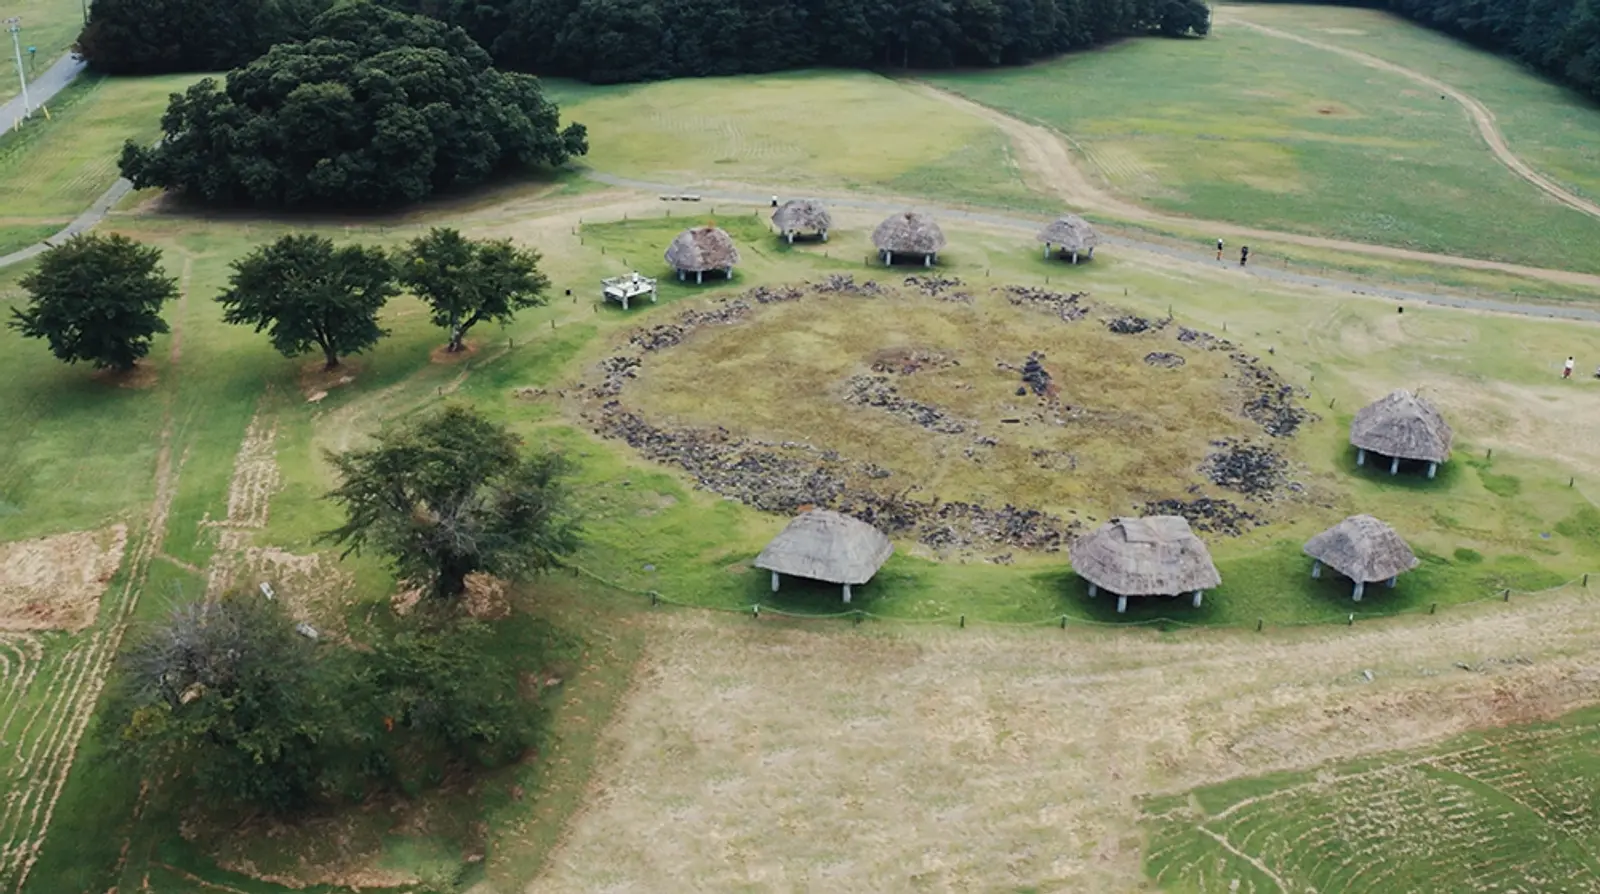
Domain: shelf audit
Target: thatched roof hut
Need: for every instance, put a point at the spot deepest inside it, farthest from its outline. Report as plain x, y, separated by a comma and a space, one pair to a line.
826, 546
1362, 549
802, 216
1154, 556
701, 249
909, 233
1070, 235
1402, 426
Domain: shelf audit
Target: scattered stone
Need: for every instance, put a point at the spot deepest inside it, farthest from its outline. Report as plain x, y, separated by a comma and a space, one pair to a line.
1204, 340
1252, 470
905, 361
1067, 307
783, 477
666, 335
1270, 402
1165, 359
1035, 376
1207, 514
774, 294
1130, 325
617, 369
877, 392
940, 287
845, 283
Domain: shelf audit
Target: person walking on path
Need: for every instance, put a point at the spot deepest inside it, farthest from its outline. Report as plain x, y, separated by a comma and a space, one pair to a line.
1244, 254
1219, 249
1566, 371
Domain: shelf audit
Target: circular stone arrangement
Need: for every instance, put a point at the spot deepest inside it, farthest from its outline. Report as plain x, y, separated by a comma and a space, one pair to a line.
967, 419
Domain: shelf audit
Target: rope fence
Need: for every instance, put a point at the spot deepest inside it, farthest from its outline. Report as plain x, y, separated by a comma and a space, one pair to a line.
1063, 621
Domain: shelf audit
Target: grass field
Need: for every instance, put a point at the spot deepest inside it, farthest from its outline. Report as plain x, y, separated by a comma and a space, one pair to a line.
1549, 125
54, 169
1487, 812
50, 26
772, 754
834, 130
1240, 128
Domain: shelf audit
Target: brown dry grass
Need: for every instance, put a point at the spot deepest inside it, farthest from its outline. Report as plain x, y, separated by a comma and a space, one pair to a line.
760, 757
1124, 432
55, 583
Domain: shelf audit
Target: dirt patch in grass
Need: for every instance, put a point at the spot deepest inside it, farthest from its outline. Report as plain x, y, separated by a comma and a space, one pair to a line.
55, 583
143, 375
824, 758
442, 353
316, 381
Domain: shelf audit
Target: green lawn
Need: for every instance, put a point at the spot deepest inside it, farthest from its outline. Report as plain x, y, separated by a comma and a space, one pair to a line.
1261, 131
78, 453
55, 168
1495, 811
828, 130
1553, 128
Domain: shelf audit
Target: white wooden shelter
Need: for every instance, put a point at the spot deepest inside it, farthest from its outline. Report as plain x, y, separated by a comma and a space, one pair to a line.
623, 289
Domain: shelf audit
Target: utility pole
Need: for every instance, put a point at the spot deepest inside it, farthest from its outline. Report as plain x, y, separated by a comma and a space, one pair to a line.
14, 25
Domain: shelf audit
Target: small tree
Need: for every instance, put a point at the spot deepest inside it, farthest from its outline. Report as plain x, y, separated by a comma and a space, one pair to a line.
449, 494
97, 298
307, 293
229, 695
467, 281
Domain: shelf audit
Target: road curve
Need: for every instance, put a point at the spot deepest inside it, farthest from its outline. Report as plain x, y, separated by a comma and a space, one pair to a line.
1049, 167
1480, 114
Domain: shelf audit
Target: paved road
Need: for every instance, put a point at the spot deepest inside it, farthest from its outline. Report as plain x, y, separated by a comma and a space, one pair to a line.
1031, 225
42, 88
40, 92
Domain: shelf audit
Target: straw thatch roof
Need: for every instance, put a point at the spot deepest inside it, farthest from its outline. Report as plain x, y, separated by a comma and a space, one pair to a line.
702, 248
1362, 549
909, 233
1155, 556
826, 546
1402, 425
802, 216
1071, 233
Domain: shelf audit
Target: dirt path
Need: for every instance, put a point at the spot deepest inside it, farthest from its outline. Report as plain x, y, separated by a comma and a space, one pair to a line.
1481, 116
1049, 167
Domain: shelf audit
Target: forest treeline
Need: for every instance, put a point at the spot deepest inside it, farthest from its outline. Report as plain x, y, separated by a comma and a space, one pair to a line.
611, 41
1557, 38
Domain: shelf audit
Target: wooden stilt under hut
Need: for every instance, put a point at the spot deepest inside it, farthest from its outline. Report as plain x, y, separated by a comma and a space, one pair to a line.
1363, 549
1401, 426
703, 250
1154, 556
826, 546
909, 236
1069, 236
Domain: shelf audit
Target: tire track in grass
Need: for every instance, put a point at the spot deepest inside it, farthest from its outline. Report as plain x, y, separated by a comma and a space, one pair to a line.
1481, 117
73, 690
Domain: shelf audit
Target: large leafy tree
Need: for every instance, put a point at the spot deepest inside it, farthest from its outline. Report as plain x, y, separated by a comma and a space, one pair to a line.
156, 36
307, 293
449, 494
381, 108
97, 298
466, 281
229, 695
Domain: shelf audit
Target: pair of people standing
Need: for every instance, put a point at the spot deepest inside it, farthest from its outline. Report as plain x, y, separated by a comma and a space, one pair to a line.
1244, 253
